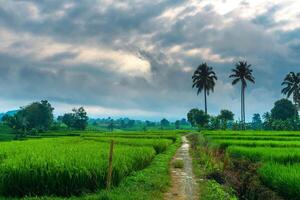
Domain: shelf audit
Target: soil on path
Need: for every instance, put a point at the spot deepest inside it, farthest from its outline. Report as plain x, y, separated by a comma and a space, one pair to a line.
184, 185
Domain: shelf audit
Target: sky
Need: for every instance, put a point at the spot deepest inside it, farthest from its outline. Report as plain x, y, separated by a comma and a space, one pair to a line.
135, 58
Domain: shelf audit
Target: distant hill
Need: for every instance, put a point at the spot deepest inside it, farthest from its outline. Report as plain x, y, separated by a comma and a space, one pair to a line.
10, 113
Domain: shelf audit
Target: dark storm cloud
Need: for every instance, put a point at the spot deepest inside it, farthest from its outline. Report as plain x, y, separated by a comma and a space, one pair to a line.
173, 37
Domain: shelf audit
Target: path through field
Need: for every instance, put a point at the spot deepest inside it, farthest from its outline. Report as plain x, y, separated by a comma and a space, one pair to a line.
184, 185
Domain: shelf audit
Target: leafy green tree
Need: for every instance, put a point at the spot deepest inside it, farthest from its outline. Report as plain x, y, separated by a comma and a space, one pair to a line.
284, 109
242, 73
111, 125
164, 123
39, 115
177, 124
267, 124
191, 116
78, 119
201, 118
17, 122
256, 122
292, 87
68, 119
81, 118
225, 116
214, 123
204, 80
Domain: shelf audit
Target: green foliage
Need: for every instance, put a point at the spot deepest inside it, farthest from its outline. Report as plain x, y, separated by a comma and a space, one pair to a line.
284, 110
282, 178
147, 184
36, 117
164, 123
70, 166
211, 190
256, 122
197, 117
258, 154
277, 151
77, 120
292, 87
225, 116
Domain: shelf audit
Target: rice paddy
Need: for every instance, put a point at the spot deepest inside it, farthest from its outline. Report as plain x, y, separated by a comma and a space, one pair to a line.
68, 166
277, 152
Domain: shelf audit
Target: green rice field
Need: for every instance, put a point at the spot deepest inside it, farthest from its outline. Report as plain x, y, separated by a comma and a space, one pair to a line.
277, 152
77, 165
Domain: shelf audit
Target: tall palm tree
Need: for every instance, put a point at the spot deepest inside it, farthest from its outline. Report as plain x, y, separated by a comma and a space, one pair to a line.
292, 87
204, 80
242, 73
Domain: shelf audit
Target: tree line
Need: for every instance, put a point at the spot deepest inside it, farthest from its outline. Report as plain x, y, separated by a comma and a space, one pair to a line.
204, 79
38, 117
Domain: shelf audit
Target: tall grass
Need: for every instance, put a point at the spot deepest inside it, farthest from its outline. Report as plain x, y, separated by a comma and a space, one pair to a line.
223, 144
284, 179
262, 154
65, 166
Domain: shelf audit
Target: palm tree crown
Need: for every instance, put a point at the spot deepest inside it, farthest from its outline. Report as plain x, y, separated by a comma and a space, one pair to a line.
204, 80
292, 86
242, 73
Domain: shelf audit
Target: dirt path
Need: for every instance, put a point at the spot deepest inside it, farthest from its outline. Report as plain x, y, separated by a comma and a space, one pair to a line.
184, 185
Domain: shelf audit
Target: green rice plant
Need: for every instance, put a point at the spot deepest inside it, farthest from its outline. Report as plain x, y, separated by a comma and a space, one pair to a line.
256, 137
261, 154
159, 145
284, 179
223, 144
251, 133
65, 166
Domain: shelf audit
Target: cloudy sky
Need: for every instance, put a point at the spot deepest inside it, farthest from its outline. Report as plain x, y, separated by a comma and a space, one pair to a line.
135, 58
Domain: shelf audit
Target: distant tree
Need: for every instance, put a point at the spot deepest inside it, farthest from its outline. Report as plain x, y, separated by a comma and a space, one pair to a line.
131, 123
242, 73
68, 119
17, 122
111, 125
177, 124
225, 116
256, 122
191, 116
201, 118
267, 124
292, 87
81, 118
204, 80
183, 121
39, 115
284, 109
164, 123
78, 119
214, 123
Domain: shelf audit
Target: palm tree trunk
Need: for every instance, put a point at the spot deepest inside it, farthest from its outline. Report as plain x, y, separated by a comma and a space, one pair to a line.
243, 105
205, 101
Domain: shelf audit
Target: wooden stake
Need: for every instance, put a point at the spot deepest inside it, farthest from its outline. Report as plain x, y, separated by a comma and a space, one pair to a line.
110, 167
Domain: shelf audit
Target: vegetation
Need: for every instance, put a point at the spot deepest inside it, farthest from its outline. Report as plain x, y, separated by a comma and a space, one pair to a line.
292, 87
242, 73
274, 156
77, 120
204, 80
